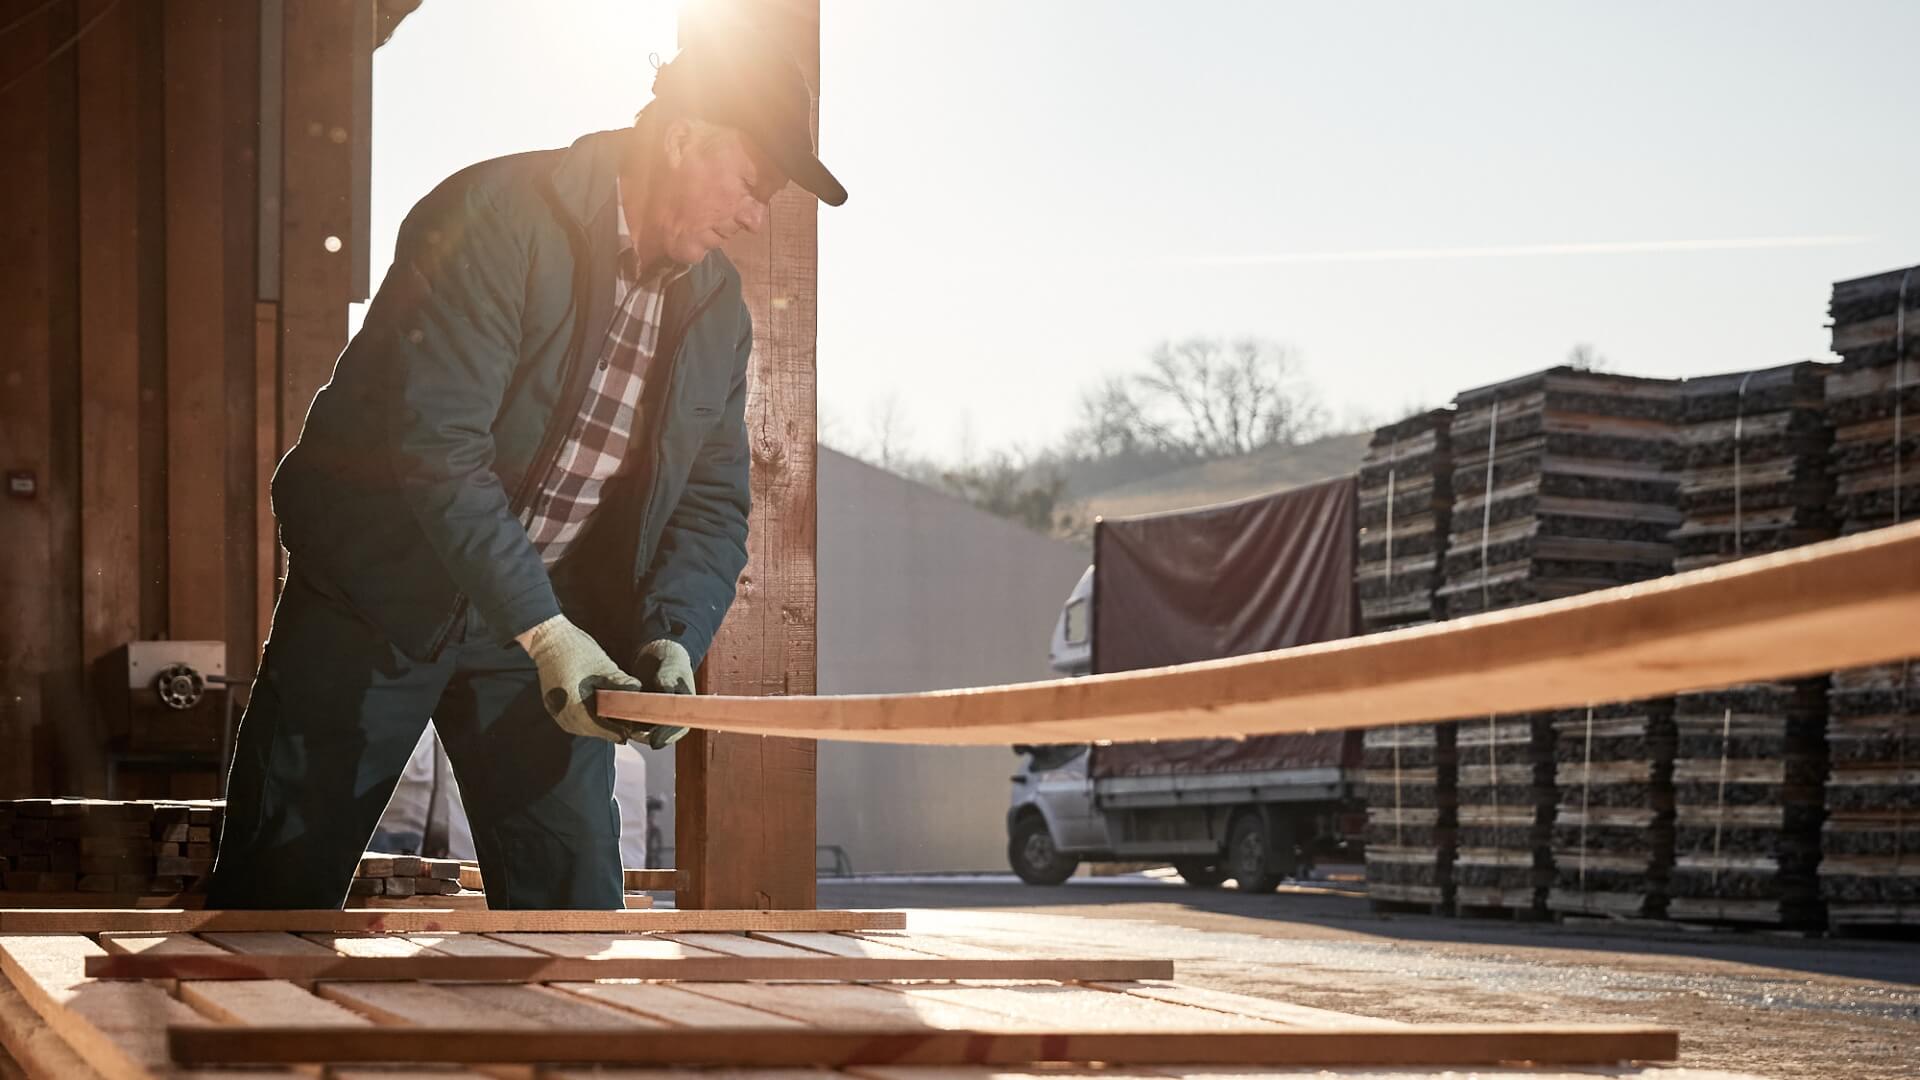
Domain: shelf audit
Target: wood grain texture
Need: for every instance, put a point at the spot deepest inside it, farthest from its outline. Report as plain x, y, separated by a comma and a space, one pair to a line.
1843, 603
745, 811
386, 959
40, 1050
421, 921
1415, 1045
266, 454
196, 321
119, 1028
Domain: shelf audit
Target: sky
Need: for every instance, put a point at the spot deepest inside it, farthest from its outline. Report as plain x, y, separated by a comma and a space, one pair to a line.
1417, 198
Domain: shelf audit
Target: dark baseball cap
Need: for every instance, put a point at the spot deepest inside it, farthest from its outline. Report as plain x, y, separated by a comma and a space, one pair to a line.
730, 73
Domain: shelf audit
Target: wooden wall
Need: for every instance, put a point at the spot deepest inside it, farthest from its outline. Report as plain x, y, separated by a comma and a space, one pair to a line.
148, 380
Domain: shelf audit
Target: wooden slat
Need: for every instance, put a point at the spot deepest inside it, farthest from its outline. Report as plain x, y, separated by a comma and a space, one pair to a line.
1438, 1044
32, 1042
386, 946
606, 946
167, 921
745, 808
470, 945
159, 945
267, 943
865, 1008
1244, 1005
390, 959
1074, 1008
118, 1028
267, 1003
857, 945
678, 1007
482, 1006
1842, 603
740, 945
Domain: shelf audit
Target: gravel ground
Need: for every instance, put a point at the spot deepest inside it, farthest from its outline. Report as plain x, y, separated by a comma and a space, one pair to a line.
1774, 1004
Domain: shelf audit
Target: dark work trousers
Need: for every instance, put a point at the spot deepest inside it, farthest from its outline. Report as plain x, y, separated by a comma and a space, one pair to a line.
335, 713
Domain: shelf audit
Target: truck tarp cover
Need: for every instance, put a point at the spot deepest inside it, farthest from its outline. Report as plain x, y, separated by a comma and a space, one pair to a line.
1265, 573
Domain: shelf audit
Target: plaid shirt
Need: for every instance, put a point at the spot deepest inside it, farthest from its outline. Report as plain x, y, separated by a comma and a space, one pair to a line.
596, 448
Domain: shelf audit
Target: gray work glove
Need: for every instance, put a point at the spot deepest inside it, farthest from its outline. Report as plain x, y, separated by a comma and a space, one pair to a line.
572, 666
665, 668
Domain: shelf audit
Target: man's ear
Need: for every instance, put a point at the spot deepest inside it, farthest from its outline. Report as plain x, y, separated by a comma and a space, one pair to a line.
676, 143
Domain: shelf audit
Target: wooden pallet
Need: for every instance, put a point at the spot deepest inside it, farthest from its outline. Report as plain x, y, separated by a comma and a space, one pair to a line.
546, 1004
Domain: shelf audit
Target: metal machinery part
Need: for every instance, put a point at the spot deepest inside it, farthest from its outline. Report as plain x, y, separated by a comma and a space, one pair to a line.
180, 687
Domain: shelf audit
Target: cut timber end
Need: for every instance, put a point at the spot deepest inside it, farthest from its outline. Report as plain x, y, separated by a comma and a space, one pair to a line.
1842, 603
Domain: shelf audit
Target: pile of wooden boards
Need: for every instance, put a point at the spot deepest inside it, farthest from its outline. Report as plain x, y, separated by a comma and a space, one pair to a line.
1613, 832
404, 876
1750, 759
1870, 871
1405, 515
57, 852
1410, 780
562, 995
1504, 863
1561, 485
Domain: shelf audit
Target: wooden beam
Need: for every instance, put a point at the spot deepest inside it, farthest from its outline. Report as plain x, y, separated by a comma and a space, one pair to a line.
302, 968
745, 807
33, 1043
418, 921
1436, 1044
1843, 603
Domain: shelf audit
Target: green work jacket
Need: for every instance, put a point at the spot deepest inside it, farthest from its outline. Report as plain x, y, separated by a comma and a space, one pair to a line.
404, 494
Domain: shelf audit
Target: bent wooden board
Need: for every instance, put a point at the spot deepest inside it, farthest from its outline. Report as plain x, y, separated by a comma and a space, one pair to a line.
428, 968
1842, 603
397, 921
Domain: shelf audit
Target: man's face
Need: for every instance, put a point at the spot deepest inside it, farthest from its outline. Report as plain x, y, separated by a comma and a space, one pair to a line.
715, 185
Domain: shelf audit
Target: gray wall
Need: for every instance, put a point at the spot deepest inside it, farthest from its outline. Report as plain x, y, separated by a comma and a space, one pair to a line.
919, 591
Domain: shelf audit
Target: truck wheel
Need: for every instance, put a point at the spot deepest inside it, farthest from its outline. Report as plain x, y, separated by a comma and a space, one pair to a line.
1248, 858
1030, 849
1201, 873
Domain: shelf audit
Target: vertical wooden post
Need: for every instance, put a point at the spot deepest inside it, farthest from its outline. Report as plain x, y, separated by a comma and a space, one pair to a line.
746, 805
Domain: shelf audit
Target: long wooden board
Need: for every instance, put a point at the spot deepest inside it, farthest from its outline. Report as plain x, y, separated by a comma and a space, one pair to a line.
429, 968
1414, 1045
1842, 603
420, 921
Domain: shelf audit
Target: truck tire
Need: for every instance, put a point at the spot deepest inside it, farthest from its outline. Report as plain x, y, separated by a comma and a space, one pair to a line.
1201, 873
1249, 854
1030, 849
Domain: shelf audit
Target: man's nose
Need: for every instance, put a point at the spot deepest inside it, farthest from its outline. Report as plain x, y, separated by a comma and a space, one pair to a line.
752, 215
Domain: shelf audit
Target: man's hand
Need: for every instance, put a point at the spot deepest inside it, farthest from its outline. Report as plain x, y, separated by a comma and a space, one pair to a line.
665, 668
572, 666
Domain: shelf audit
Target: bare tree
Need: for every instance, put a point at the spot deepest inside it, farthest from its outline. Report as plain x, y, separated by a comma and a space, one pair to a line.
886, 430
1584, 357
1204, 398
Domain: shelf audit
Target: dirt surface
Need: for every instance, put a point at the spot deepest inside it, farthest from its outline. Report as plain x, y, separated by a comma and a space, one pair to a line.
1773, 1004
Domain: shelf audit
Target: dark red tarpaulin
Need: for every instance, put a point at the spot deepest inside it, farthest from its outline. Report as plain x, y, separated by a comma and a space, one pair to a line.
1264, 573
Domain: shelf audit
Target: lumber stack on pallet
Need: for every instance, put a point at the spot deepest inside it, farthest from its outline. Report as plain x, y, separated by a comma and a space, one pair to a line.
1504, 862
1410, 790
1613, 832
1561, 485
1405, 515
402, 876
1870, 873
74, 848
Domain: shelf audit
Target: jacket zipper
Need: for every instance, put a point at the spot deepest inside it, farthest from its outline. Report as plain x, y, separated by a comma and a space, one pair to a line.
673, 382
554, 437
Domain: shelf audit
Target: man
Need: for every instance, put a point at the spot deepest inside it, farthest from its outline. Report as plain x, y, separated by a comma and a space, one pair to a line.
532, 458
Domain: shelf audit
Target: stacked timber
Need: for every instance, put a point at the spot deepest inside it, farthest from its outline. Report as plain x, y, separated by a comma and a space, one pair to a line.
1753, 464
1750, 759
1410, 782
1870, 872
402, 876
1404, 511
1561, 485
54, 850
1506, 797
1405, 502
1613, 832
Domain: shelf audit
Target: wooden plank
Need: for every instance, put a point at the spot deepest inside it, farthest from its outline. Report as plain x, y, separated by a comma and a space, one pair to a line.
1075, 1008
267, 943
266, 454
159, 945
862, 945
636, 880
32, 1042
118, 1028
371, 945
269, 1003
861, 1008
677, 1007
110, 239
745, 808
470, 945
740, 945
397, 958
196, 321
174, 921
486, 1006
1840, 603
606, 946
1436, 1044
1244, 1005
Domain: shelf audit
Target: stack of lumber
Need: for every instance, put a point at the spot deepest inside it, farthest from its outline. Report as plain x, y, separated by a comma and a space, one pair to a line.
62, 852
1405, 513
560, 995
1613, 833
1410, 782
1750, 758
1561, 485
1870, 873
395, 877
1506, 795
1753, 464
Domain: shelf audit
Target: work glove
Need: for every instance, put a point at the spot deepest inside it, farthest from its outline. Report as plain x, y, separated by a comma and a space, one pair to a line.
665, 668
572, 666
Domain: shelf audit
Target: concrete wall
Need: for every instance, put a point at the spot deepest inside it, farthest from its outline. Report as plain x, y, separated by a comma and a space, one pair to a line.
919, 591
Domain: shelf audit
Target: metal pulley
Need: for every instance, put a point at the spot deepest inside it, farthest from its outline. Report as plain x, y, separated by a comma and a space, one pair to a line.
179, 686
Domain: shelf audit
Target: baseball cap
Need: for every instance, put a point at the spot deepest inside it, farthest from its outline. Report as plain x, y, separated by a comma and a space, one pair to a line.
730, 73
